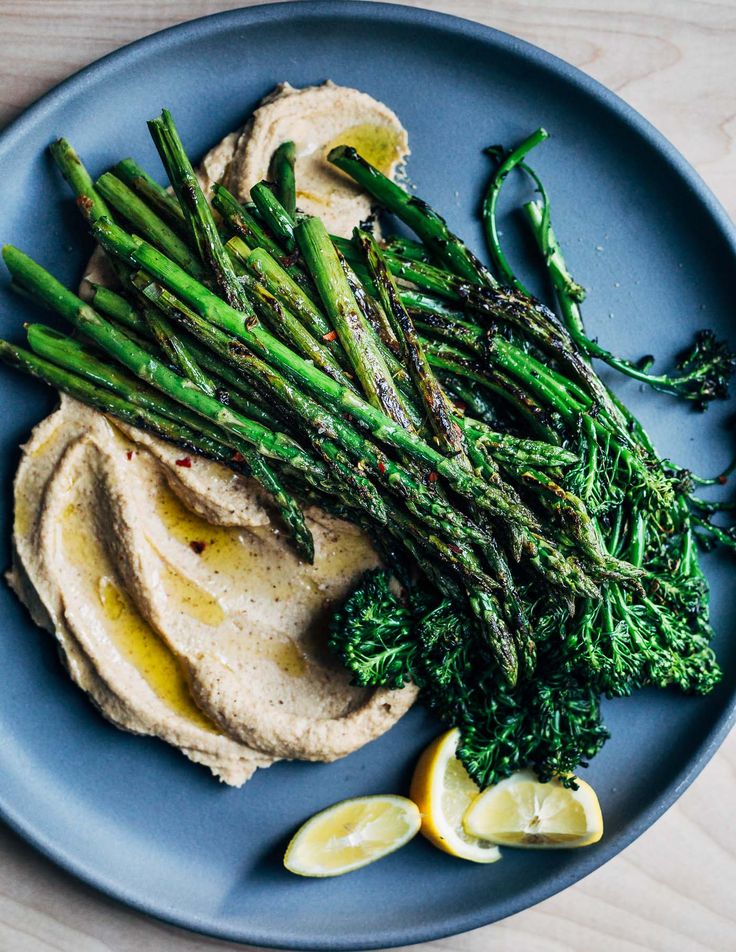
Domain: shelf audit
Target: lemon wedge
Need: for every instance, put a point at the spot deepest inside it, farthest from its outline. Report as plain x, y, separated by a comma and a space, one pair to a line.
443, 791
351, 834
521, 811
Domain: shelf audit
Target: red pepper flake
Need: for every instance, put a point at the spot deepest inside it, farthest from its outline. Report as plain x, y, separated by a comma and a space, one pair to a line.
186, 462
459, 406
432, 477
723, 480
129, 454
237, 457
454, 548
330, 335
381, 467
196, 546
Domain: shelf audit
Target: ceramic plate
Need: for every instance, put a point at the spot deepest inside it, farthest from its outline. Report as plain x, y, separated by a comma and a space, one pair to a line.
129, 814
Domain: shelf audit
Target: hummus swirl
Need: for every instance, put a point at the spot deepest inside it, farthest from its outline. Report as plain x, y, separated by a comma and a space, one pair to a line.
179, 606
316, 119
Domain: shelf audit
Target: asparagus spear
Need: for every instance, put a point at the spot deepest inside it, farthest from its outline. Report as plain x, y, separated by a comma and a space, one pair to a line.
177, 352
230, 383
419, 216
371, 310
286, 326
242, 222
102, 399
406, 248
202, 227
74, 356
145, 221
379, 330
519, 450
114, 305
437, 406
430, 278
171, 345
424, 275
360, 488
456, 331
153, 194
274, 215
540, 418
283, 162
247, 229
418, 302
352, 329
90, 203
281, 284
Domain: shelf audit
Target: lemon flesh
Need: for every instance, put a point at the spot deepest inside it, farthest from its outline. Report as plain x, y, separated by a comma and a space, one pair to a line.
443, 791
520, 811
352, 834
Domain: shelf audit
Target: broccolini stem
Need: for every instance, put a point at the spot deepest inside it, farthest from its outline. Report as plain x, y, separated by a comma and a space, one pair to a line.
490, 204
708, 366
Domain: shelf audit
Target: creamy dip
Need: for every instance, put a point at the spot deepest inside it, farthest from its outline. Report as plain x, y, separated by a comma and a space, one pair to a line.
179, 605
317, 119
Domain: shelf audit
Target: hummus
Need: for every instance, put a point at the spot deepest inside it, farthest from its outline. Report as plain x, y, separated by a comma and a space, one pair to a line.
176, 602
317, 119
178, 605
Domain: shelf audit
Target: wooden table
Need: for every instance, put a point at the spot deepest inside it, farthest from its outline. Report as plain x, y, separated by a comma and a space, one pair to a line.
674, 889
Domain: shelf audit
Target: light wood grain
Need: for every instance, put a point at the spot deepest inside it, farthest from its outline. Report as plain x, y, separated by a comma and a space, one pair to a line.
671, 891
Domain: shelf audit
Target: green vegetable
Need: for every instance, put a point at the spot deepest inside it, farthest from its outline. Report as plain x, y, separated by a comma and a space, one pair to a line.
89, 201
283, 162
547, 554
197, 213
275, 216
417, 214
146, 222
706, 367
155, 195
551, 723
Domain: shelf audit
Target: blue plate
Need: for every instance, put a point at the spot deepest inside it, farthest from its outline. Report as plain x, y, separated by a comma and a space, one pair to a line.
657, 253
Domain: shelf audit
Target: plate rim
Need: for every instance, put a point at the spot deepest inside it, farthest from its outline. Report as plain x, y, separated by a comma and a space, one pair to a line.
246, 17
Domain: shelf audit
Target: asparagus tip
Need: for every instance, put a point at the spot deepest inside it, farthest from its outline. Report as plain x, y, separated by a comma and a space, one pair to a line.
11, 256
342, 150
